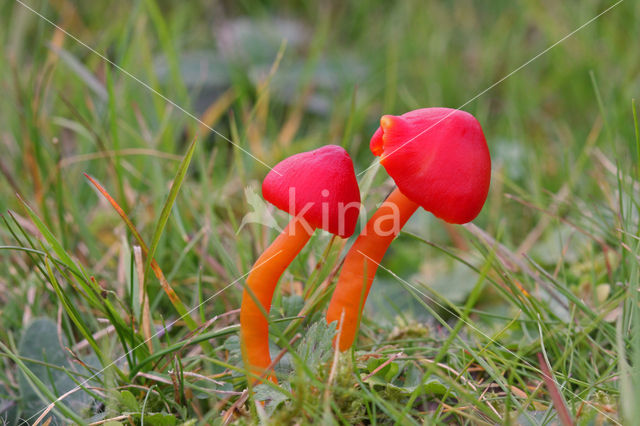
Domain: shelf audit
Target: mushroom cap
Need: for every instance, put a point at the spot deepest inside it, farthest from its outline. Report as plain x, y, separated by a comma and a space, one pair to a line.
320, 186
439, 158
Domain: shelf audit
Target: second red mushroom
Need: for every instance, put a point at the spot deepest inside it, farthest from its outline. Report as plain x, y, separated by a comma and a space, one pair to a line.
439, 159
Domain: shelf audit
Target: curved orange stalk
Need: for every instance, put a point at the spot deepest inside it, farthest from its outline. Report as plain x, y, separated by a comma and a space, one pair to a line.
365, 255
254, 326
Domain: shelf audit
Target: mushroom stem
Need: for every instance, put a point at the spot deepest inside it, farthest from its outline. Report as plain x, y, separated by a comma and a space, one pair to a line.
364, 257
254, 325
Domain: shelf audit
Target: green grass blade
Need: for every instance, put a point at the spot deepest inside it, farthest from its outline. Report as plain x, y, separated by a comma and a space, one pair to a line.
73, 313
91, 291
162, 222
173, 297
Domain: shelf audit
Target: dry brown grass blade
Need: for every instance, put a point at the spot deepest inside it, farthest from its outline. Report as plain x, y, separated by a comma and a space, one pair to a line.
257, 120
256, 117
380, 367
68, 12
52, 405
115, 419
144, 300
554, 392
83, 344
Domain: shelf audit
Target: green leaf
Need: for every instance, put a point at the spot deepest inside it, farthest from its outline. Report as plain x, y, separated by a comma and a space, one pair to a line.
272, 397
316, 347
48, 362
387, 373
160, 419
536, 418
292, 305
8, 409
433, 387
128, 401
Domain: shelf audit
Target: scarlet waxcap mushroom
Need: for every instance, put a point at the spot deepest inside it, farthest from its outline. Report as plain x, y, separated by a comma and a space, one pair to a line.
439, 159
320, 186
320, 190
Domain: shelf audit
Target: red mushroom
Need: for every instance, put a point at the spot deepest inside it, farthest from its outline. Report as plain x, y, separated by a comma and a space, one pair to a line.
439, 159
320, 190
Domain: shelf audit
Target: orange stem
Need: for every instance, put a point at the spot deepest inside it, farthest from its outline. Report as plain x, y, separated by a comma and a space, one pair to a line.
254, 325
365, 256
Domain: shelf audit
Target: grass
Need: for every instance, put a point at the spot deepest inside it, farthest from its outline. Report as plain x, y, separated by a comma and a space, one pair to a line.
527, 316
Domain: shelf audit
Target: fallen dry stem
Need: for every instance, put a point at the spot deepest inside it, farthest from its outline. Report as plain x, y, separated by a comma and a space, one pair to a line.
144, 300
554, 392
381, 366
